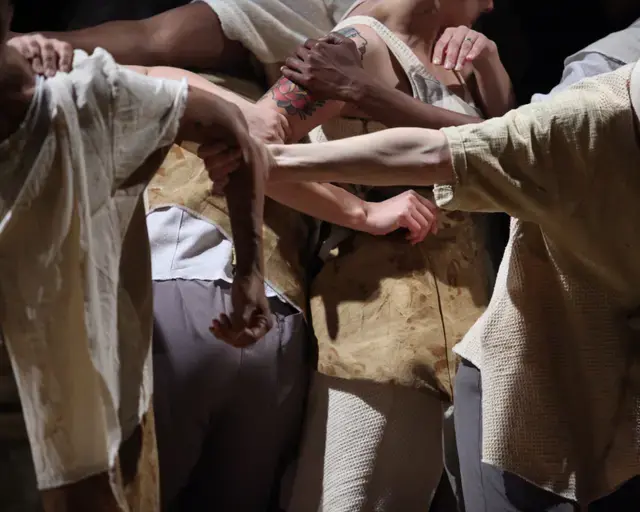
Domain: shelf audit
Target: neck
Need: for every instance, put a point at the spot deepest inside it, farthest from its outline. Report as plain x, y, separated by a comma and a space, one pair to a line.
415, 21
17, 83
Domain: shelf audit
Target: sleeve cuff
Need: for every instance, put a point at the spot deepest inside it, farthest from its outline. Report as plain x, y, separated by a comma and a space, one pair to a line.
448, 196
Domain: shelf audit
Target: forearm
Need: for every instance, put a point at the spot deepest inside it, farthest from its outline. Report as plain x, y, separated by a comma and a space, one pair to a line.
245, 191
394, 108
188, 36
322, 201
400, 156
128, 41
494, 87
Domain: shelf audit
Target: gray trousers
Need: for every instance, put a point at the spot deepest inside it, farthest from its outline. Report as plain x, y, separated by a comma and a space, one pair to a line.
227, 420
489, 489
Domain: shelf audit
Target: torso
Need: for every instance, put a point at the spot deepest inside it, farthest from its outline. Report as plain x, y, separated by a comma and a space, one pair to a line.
418, 301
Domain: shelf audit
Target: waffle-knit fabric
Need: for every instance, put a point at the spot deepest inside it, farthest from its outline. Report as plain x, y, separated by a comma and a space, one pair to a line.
559, 357
383, 448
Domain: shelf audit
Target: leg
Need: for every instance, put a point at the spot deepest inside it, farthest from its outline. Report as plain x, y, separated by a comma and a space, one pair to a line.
486, 488
368, 447
253, 435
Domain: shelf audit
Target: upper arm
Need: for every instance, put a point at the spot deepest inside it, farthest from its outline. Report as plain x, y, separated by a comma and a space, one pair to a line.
531, 163
301, 111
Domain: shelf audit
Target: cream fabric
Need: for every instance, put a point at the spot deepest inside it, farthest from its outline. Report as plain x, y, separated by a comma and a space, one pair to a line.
78, 343
272, 29
374, 443
368, 447
560, 362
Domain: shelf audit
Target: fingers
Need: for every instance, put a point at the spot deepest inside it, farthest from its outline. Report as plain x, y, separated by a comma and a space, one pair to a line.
65, 57
441, 46
430, 211
457, 46
220, 160
335, 38
479, 45
244, 336
47, 56
453, 47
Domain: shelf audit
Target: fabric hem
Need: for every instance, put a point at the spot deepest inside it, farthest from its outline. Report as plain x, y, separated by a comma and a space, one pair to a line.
446, 195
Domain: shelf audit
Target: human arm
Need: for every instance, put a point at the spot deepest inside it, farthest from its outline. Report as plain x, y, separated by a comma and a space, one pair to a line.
325, 202
142, 118
533, 163
332, 69
187, 36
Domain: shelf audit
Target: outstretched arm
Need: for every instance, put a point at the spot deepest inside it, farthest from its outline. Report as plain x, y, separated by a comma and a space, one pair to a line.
332, 69
399, 156
187, 36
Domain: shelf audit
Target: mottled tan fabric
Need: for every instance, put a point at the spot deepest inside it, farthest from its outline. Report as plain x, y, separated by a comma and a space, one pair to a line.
183, 181
383, 310
558, 354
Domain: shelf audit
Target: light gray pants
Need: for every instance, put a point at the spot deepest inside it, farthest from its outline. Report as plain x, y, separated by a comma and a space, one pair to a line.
227, 420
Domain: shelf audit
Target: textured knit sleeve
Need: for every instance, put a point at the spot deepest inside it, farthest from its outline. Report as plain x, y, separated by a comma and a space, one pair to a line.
533, 162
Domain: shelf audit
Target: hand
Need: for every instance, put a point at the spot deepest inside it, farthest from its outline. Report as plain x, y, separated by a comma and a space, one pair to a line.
458, 47
329, 68
251, 319
266, 125
233, 146
47, 56
222, 159
408, 210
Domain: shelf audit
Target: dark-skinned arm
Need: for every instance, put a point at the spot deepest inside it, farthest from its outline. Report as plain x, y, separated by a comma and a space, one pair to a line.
207, 120
331, 68
187, 36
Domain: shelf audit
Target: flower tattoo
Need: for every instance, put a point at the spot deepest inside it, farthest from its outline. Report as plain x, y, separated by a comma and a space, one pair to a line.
294, 100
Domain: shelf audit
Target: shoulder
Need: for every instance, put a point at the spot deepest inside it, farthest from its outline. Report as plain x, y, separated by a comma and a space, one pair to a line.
366, 38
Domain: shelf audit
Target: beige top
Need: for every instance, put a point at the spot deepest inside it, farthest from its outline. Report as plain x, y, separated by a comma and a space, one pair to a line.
384, 310
559, 359
75, 282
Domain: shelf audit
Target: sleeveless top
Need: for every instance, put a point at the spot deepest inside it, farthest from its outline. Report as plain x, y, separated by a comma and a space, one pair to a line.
384, 310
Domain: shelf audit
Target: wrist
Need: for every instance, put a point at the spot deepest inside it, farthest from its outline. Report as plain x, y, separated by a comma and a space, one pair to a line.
361, 216
360, 88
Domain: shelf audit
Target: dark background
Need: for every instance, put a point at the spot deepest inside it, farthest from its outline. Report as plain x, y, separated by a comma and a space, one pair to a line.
534, 37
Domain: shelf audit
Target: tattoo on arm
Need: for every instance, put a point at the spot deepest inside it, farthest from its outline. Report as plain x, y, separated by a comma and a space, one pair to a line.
358, 38
295, 100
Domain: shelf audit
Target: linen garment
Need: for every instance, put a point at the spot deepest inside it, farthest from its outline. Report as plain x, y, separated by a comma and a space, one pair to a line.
386, 316
75, 287
272, 29
558, 355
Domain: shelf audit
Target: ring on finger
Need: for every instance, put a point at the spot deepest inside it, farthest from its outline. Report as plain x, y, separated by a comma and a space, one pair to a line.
470, 39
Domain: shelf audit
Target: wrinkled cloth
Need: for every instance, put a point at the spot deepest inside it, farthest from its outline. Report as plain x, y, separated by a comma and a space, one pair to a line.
75, 287
272, 29
558, 356
384, 310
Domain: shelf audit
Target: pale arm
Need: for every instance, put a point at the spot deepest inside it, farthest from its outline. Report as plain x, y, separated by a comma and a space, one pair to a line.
399, 156
325, 202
